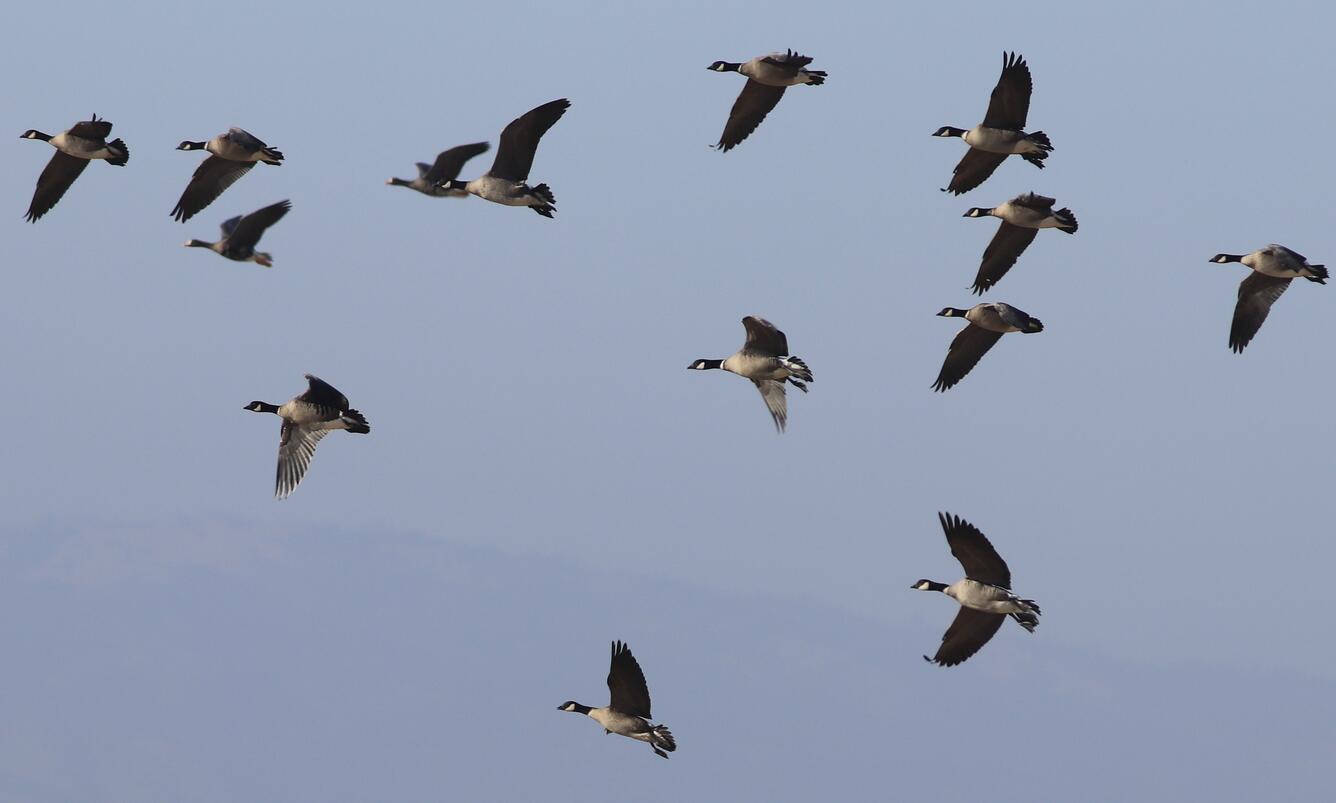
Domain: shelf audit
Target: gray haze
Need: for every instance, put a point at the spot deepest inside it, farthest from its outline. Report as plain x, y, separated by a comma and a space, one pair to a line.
544, 476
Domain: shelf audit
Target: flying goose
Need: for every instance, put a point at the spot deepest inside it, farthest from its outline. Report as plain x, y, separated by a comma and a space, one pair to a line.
767, 77
505, 182
987, 323
1000, 134
306, 419
1273, 269
764, 359
1022, 218
242, 233
74, 148
984, 595
628, 712
234, 153
446, 167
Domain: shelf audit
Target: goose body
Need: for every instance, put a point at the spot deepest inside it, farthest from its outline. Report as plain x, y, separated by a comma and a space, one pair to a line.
306, 420
767, 78
433, 179
1001, 133
628, 713
987, 323
1274, 267
764, 359
985, 595
232, 154
1022, 217
506, 183
75, 148
242, 233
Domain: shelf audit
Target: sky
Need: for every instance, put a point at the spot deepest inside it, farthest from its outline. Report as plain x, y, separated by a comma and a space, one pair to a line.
543, 476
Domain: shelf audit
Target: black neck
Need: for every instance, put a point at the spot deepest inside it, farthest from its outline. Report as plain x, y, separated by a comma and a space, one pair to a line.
1229, 257
711, 364
581, 709
265, 407
935, 586
452, 184
41, 136
731, 67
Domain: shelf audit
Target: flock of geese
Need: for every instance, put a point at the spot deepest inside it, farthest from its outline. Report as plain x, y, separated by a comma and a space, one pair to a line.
984, 594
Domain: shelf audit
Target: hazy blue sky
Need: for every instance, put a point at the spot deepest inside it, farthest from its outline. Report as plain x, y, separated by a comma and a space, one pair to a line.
543, 475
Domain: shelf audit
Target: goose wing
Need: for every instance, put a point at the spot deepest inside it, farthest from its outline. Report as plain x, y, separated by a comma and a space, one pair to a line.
1009, 104
211, 178
246, 232
776, 400
754, 102
630, 694
449, 162
55, 179
1002, 252
519, 140
321, 393
974, 168
245, 139
788, 60
969, 631
969, 546
966, 349
91, 129
764, 338
1256, 295
296, 447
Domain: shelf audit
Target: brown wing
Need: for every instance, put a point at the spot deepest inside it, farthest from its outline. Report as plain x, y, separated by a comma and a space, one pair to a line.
247, 231
519, 139
754, 102
980, 561
1009, 104
211, 178
626, 683
1256, 295
1002, 252
322, 393
764, 338
969, 631
974, 168
966, 349
56, 178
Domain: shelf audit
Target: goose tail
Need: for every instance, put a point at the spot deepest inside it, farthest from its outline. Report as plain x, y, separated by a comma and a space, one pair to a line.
661, 739
353, 421
120, 148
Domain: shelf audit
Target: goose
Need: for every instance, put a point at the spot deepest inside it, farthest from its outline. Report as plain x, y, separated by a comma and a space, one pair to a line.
984, 595
448, 163
767, 78
505, 182
1022, 218
242, 233
987, 323
233, 154
75, 147
764, 359
1000, 134
1273, 269
628, 712
306, 419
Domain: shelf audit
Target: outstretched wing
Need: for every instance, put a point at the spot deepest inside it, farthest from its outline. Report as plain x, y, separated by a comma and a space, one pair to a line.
1002, 252
211, 178
966, 350
969, 631
980, 561
630, 694
519, 140
296, 447
754, 102
323, 394
247, 232
1009, 104
56, 178
1256, 295
974, 168
448, 163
